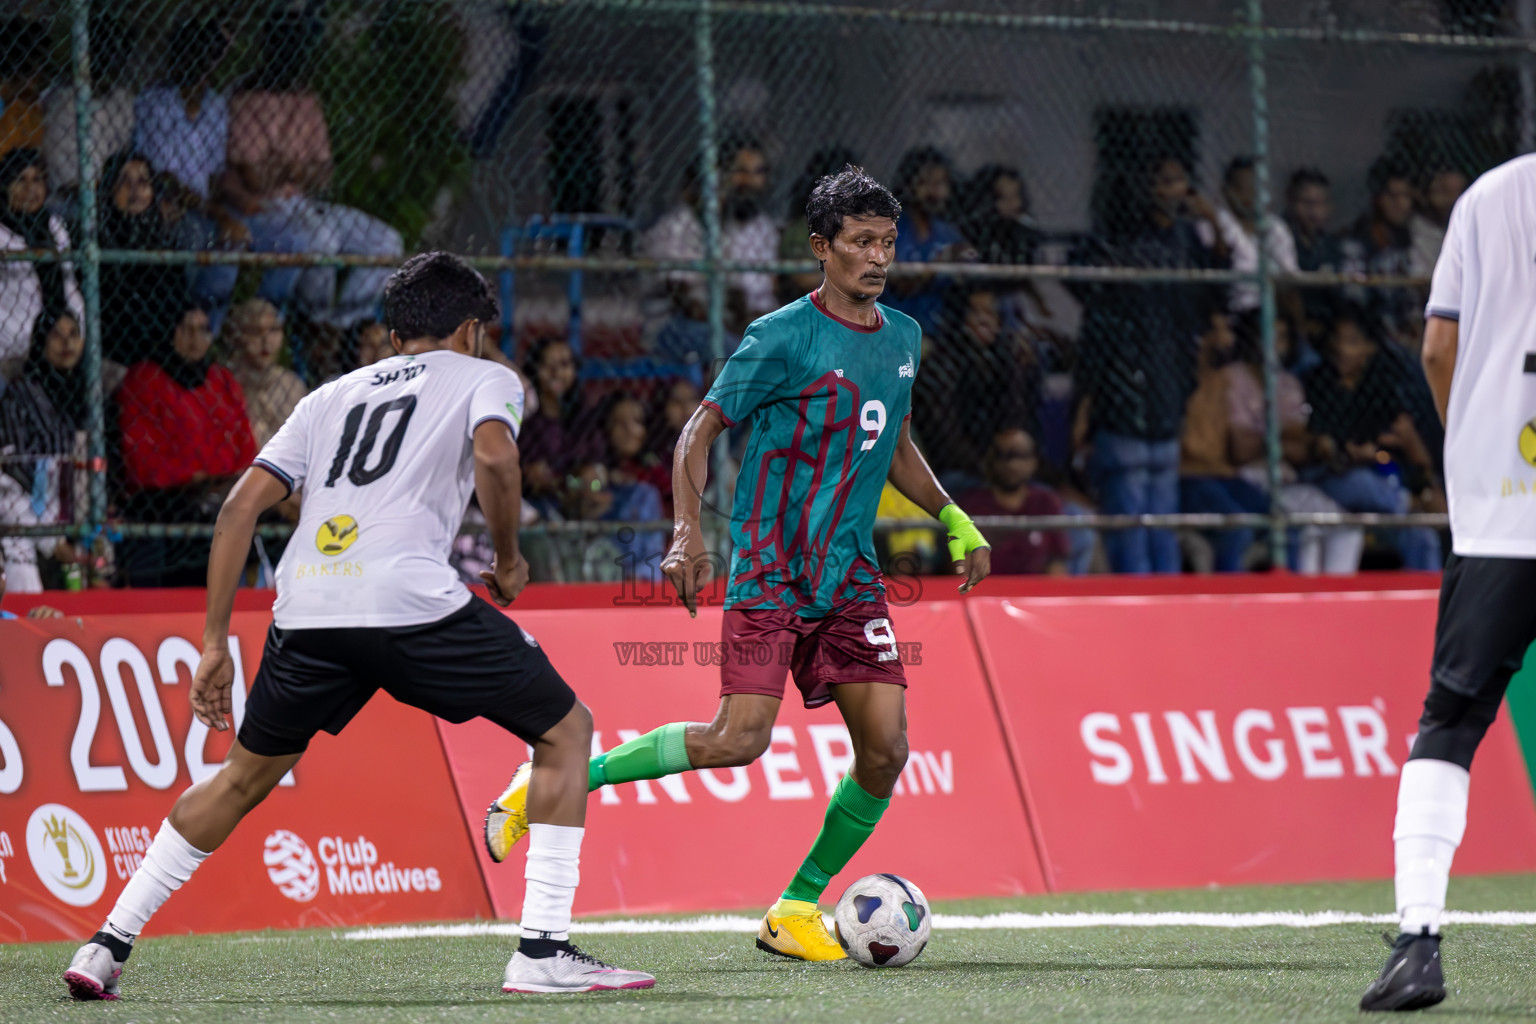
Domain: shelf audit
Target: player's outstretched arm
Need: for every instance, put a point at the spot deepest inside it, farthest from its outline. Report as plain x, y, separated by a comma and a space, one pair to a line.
499, 486
687, 562
911, 475
254, 493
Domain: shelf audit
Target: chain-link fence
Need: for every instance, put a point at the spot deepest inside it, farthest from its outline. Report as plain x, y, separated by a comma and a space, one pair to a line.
1169, 256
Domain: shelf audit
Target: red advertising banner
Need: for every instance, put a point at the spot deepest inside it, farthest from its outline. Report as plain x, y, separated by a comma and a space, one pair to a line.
1181, 741
97, 740
734, 837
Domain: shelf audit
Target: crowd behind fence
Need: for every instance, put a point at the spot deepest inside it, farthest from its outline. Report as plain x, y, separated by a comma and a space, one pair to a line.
1170, 257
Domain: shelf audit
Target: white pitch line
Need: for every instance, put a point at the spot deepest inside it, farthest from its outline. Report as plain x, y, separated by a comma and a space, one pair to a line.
961, 922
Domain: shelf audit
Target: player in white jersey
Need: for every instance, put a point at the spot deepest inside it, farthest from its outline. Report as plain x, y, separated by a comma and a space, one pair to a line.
386, 458
1480, 357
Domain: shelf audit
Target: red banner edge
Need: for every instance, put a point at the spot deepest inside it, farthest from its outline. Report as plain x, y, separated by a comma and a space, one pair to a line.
1011, 744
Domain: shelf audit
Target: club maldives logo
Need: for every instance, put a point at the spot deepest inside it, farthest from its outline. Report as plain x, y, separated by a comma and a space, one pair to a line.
291, 866
352, 868
66, 855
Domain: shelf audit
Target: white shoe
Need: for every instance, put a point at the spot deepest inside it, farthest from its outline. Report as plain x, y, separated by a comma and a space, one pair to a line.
93, 973
569, 970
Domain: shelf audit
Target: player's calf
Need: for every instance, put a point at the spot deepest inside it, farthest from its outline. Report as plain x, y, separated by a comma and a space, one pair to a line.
726, 745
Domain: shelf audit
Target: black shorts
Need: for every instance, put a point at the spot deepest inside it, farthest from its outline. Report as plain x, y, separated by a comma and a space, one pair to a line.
473, 663
1487, 621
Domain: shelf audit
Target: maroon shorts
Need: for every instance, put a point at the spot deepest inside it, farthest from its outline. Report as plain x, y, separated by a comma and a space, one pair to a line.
852, 644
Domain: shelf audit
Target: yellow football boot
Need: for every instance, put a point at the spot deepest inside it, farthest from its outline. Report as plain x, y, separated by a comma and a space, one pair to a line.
794, 928
506, 821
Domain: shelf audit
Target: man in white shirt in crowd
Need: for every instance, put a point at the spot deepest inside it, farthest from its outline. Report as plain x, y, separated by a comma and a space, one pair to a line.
747, 232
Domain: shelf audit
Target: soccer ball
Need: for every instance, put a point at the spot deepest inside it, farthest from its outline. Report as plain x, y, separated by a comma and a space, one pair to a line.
883, 921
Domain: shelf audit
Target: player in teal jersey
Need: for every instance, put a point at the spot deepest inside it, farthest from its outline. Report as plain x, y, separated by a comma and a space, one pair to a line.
827, 383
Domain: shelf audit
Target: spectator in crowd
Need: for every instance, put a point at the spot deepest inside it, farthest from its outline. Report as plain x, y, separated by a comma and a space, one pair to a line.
1238, 220
40, 413
999, 221
114, 41
979, 374
1012, 459
794, 242
29, 289
272, 390
185, 436
41, 611
679, 403
1308, 212
182, 130
747, 232
630, 458
552, 439
592, 496
1208, 480
1137, 352
678, 234
1378, 461
21, 84
1314, 549
926, 233
279, 163
181, 124
137, 299
1426, 228
996, 216
1380, 244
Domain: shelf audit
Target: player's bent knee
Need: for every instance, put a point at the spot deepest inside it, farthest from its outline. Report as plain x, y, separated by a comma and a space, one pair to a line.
882, 762
1452, 726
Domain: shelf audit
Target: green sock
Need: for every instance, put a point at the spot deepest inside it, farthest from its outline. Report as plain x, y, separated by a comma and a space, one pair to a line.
852, 815
659, 752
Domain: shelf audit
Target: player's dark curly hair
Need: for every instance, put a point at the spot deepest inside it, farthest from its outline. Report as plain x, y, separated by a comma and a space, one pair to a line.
848, 193
433, 293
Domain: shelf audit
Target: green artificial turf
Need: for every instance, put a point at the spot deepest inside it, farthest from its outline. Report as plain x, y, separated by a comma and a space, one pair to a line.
1107, 973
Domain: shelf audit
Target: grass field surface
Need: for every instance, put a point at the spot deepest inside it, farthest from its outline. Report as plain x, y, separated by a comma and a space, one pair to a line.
1115, 972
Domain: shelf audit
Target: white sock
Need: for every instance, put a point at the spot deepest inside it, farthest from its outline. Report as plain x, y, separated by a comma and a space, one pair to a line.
1431, 819
553, 872
167, 866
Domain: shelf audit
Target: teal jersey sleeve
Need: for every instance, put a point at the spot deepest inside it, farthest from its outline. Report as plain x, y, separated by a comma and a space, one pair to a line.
761, 370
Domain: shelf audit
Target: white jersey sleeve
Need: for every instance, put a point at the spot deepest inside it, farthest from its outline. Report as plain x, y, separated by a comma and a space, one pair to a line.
1445, 285
286, 456
498, 397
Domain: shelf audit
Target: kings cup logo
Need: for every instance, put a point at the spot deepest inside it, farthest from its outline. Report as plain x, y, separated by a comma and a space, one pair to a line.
66, 855
291, 866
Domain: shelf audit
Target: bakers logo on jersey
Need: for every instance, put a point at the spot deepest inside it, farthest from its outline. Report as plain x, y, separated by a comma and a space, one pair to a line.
336, 535
1528, 442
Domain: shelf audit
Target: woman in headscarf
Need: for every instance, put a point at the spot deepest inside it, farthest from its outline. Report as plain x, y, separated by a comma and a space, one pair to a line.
40, 413
28, 289
138, 300
185, 436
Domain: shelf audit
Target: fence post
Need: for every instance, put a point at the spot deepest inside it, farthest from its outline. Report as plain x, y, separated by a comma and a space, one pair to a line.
704, 53
1258, 89
89, 262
